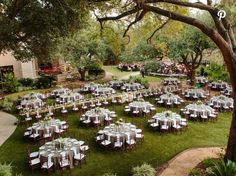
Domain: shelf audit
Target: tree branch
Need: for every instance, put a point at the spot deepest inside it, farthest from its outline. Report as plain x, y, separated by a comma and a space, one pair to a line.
138, 18
199, 61
210, 32
149, 40
127, 13
197, 5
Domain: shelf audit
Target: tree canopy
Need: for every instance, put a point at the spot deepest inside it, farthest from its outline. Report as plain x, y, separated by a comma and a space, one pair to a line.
142, 52
29, 29
84, 52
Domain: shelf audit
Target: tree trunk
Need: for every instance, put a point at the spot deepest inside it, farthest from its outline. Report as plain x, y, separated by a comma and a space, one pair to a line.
192, 77
231, 146
82, 74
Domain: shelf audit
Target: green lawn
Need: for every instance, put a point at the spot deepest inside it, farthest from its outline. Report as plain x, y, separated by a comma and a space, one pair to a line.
156, 149
115, 71
151, 78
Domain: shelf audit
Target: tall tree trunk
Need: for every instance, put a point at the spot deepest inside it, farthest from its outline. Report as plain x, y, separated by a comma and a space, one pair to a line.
192, 77
231, 146
82, 73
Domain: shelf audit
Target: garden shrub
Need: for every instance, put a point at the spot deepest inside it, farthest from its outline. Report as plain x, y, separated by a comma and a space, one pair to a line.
26, 82
151, 66
195, 172
10, 83
216, 72
7, 105
109, 174
6, 170
209, 162
143, 170
222, 168
140, 80
44, 82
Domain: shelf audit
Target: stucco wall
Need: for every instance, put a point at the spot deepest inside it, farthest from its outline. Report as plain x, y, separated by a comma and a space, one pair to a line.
8, 59
21, 70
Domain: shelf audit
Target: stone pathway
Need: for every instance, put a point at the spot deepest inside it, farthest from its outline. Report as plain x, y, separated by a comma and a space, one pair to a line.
7, 126
182, 164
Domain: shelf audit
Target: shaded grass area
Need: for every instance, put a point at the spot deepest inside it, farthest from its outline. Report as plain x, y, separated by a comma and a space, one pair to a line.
150, 78
156, 149
115, 71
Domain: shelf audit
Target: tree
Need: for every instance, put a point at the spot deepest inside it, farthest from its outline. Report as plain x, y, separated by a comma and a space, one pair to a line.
189, 47
29, 29
222, 35
82, 51
142, 52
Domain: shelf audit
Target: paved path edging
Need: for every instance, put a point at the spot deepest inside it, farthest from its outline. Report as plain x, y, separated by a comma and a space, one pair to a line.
7, 126
182, 163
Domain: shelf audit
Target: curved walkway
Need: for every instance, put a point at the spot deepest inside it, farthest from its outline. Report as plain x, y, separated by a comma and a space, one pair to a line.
182, 164
7, 126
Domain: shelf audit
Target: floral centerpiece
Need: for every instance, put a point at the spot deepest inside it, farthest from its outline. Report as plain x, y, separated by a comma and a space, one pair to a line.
46, 121
199, 102
168, 113
97, 110
222, 97
59, 143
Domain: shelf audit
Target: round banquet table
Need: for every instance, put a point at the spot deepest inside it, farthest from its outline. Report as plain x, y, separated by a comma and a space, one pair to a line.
132, 86
46, 125
195, 93
116, 83
140, 106
228, 91
166, 118
121, 132
32, 103
98, 114
33, 96
171, 81
170, 99
104, 91
90, 87
201, 80
198, 109
70, 97
53, 150
221, 102
60, 91
219, 85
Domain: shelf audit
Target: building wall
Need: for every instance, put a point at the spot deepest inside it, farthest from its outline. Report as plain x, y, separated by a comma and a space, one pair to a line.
8, 59
29, 69
21, 70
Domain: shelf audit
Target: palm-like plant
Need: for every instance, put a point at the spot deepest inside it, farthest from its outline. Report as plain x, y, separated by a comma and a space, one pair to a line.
222, 168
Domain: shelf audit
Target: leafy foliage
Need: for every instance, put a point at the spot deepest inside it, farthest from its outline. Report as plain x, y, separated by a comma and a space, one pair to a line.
189, 42
142, 52
10, 83
6, 105
109, 174
6, 170
30, 28
135, 79
83, 52
216, 72
194, 172
26, 82
222, 168
152, 66
44, 82
143, 170
208, 162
